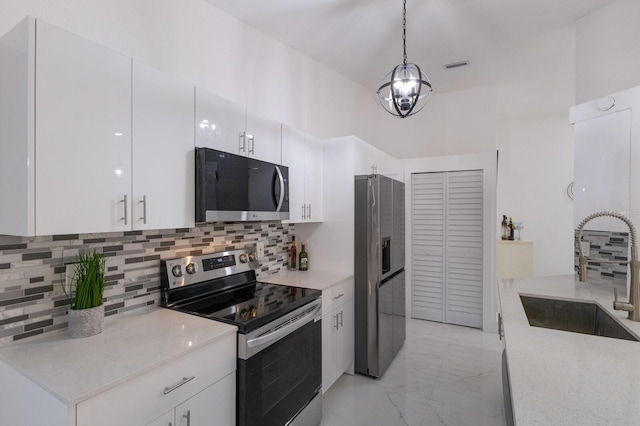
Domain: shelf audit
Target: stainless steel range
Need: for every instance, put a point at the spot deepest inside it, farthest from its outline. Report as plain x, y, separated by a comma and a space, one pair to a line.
279, 375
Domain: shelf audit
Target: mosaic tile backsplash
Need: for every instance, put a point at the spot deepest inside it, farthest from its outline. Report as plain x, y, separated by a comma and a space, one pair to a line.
606, 245
32, 269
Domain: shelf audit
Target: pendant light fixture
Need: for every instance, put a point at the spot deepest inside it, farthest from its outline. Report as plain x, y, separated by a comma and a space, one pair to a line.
405, 90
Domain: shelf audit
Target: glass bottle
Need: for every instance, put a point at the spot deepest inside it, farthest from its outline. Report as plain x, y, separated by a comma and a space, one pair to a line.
293, 255
503, 227
303, 265
511, 229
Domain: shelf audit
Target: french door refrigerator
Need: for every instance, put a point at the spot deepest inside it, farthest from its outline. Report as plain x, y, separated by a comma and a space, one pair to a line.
379, 272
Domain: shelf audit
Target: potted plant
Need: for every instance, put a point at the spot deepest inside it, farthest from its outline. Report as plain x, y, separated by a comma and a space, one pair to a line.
86, 315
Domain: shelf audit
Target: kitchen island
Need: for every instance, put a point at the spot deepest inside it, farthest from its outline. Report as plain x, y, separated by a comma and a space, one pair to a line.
565, 378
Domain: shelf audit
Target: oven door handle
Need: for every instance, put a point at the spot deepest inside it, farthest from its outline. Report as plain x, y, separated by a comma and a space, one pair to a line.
275, 335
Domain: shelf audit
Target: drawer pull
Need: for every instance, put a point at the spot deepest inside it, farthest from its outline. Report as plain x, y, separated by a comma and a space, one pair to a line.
184, 380
338, 296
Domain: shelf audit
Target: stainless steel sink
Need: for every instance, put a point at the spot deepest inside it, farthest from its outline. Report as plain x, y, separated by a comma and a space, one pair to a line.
574, 316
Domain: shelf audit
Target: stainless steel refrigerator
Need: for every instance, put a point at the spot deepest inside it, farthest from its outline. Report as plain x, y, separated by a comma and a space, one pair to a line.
379, 272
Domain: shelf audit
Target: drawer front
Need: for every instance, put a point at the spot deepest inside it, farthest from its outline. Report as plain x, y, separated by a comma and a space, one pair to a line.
341, 292
145, 397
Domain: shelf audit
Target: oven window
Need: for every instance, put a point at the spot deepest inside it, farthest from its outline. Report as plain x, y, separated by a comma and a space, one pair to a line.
276, 383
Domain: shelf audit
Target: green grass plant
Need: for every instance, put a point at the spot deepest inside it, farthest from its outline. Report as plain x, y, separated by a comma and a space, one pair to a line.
87, 284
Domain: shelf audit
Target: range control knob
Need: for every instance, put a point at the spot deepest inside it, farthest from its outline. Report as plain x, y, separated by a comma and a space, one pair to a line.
243, 258
252, 257
176, 271
192, 268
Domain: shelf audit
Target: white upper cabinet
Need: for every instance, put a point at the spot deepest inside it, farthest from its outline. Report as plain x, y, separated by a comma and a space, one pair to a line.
83, 135
314, 178
607, 159
227, 126
219, 123
67, 111
263, 138
303, 155
163, 150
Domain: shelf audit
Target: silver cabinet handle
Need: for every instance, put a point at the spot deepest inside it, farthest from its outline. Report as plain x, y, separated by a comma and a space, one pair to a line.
188, 417
242, 142
309, 211
124, 202
338, 296
252, 144
336, 317
144, 209
303, 212
341, 318
184, 380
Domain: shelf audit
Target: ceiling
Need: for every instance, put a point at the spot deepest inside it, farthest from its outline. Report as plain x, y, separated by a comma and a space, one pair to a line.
362, 39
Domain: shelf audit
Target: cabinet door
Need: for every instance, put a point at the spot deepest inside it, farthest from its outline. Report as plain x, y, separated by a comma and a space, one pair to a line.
83, 135
167, 419
216, 405
313, 170
601, 169
345, 338
219, 123
163, 150
329, 367
264, 138
293, 156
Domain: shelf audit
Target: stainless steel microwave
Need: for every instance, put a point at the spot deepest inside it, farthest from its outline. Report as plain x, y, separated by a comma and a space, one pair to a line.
232, 188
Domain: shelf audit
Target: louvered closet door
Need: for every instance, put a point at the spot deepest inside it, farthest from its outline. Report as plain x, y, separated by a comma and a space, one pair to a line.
447, 247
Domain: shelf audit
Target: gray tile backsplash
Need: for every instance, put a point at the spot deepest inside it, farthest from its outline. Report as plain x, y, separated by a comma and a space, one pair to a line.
610, 246
31, 269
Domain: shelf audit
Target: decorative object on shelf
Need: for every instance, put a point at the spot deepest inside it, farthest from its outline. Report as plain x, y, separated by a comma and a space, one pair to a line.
519, 227
504, 228
511, 230
406, 89
86, 314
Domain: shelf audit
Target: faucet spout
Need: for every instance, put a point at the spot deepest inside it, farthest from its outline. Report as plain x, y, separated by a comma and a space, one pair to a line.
633, 306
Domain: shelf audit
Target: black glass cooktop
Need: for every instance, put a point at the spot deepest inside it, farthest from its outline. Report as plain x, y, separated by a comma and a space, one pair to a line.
250, 306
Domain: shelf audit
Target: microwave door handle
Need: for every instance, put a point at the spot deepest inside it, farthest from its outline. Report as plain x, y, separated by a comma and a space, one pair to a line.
281, 181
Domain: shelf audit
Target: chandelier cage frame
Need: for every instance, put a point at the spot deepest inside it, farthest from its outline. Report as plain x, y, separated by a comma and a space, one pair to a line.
407, 85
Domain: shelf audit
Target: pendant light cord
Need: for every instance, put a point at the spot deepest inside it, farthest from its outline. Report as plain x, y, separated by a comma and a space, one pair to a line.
404, 31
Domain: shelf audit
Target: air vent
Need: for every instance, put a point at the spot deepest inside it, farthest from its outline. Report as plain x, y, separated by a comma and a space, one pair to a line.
456, 65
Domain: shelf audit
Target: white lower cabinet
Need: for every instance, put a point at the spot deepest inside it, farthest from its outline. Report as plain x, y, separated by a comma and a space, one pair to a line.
209, 407
337, 332
178, 385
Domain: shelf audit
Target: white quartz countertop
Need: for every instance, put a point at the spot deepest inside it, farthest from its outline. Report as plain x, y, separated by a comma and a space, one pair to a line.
565, 378
315, 279
74, 370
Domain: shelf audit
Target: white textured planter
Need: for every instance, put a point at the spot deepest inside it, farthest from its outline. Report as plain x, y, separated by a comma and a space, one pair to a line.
85, 322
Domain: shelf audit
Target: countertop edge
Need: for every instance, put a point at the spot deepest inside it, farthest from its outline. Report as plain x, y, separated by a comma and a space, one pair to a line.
314, 279
72, 400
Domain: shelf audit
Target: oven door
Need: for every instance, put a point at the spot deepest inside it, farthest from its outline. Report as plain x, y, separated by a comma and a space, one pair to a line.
276, 383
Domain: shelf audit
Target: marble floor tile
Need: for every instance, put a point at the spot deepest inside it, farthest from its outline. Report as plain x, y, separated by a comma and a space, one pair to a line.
444, 375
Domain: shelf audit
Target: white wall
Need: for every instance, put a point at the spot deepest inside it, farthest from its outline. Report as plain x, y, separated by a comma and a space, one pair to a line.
535, 142
452, 123
535, 168
607, 54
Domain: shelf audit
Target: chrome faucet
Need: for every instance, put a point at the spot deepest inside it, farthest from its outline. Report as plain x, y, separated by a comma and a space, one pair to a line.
633, 305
